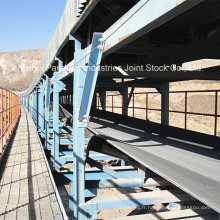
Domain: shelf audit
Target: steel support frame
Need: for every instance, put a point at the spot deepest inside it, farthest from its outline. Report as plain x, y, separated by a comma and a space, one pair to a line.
47, 111
58, 86
31, 104
27, 102
83, 90
38, 106
141, 19
84, 81
79, 76
35, 106
41, 109
82, 103
102, 97
164, 91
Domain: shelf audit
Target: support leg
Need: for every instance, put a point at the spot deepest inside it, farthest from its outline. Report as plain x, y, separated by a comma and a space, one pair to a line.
82, 97
58, 86
102, 96
164, 91
47, 103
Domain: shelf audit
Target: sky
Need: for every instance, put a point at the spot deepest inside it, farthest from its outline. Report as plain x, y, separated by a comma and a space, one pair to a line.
28, 24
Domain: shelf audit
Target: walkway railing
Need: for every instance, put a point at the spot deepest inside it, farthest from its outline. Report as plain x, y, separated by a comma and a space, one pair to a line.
9, 113
111, 99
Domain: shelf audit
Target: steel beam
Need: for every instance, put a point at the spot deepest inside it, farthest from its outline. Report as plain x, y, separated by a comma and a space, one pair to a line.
78, 82
91, 76
102, 97
58, 86
84, 82
47, 111
142, 18
41, 109
164, 91
139, 199
37, 106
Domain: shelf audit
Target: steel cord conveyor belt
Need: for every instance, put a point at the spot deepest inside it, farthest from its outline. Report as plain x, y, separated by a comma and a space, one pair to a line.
190, 162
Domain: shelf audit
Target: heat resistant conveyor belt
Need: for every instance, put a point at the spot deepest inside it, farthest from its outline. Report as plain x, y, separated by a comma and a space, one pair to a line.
193, 168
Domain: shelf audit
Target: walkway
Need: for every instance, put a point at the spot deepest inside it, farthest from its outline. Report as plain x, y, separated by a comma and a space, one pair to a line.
26, 190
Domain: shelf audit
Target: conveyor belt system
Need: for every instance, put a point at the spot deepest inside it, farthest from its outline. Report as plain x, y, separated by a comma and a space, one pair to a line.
191, 166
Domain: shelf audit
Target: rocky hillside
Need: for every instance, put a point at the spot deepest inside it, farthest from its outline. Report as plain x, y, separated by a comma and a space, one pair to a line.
17, 69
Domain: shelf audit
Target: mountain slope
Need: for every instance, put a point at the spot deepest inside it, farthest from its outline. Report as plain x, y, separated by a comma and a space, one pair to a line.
17, 69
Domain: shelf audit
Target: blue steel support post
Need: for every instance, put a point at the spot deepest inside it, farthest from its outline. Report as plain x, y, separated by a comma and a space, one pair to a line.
82, 96
33, 96
34, 107
37, 106
47, 104
29, 103
58, 86
78, 77
36, 100
25, 98
42, 109
31, 110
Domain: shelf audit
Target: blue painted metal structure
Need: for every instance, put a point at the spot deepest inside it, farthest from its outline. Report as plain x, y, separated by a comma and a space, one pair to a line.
43, 101
84, 81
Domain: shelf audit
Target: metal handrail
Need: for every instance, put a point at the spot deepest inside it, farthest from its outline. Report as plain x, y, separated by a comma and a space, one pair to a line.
185, 112
9, 114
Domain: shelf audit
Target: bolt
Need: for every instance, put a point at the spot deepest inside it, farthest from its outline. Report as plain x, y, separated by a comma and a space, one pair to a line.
100, 47
101, 40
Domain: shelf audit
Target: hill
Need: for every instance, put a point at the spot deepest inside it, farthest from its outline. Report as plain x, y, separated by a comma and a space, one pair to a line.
17, 69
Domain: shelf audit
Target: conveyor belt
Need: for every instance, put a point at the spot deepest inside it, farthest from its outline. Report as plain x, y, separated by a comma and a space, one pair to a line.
194, 168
